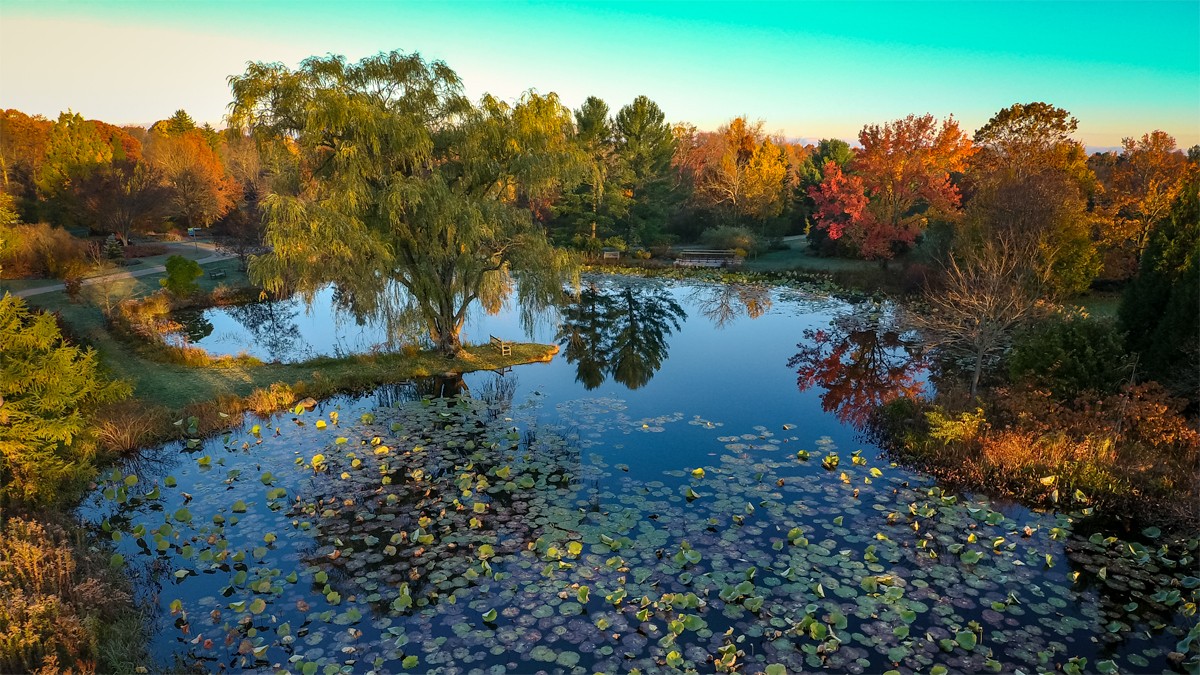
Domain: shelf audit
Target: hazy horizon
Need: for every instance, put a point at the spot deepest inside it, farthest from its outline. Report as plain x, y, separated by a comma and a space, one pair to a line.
808, 71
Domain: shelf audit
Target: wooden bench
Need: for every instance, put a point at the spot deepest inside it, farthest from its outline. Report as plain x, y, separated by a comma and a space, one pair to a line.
708, 258
504, 347
218, 274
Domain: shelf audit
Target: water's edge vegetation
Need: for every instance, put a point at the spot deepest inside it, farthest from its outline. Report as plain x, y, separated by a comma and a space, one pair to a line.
139, 423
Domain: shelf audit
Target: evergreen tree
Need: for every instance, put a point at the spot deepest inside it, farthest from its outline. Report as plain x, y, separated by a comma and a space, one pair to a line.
75, 149
1160, 310
48, 389
645, 145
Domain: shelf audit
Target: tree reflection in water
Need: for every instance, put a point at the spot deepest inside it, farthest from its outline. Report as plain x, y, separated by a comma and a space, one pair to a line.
861, 362
619, 333
272, 326
722, 303
193, 325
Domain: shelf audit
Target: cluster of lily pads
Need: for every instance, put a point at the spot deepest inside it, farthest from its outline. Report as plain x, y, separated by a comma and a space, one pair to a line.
439, 535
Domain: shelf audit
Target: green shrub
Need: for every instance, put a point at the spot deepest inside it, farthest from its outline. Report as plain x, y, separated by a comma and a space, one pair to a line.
48, 391
1068, 355
727, 237
962, 429
113, 249
617, 243
181, 276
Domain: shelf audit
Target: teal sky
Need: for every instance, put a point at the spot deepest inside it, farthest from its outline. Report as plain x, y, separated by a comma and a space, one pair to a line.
809, 70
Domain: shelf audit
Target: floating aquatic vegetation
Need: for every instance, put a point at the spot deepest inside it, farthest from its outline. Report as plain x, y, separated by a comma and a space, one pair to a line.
430, 536
540, 532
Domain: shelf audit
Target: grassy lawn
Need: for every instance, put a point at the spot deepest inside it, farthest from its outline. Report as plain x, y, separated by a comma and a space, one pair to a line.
1100, 305
15, 285
798, 259
186, 249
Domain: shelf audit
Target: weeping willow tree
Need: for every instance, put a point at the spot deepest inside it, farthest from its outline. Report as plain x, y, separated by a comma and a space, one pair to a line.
398, 179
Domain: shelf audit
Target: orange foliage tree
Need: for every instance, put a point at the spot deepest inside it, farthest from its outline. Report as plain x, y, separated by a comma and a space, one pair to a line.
1149, 175
201, 192
22, 148
904, 168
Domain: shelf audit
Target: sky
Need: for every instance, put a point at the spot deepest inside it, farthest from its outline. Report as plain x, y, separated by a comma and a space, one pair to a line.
809, 70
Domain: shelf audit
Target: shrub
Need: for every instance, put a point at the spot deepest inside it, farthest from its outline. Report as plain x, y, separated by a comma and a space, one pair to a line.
727, 237
266, 401
148, 317
965, 428
58, 600
181, 276
130, 425
113, 249
38, 251
615, 242
1069, 355
48, 390
144, 250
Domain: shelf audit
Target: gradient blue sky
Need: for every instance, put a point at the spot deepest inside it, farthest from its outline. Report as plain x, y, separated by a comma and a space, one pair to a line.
809, 70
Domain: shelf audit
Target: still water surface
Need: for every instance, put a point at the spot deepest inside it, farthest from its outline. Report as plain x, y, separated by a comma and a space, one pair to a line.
686, 485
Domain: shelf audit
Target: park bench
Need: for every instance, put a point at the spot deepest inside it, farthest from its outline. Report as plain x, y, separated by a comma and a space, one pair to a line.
708, 258
504, 347
216, 274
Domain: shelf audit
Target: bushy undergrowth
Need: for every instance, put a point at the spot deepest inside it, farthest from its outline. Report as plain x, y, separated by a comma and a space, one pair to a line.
130, 425
40, 251
62, 606
143, 250
1071, 354
1130, 449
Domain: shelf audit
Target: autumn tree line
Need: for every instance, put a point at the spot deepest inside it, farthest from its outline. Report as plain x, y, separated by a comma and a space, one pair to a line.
381, 173
629, 179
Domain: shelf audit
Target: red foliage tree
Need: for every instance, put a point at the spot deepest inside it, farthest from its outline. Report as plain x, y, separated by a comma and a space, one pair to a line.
904, 170
841, 201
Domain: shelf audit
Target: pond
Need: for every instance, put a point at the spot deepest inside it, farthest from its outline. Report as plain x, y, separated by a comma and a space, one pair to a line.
685, 486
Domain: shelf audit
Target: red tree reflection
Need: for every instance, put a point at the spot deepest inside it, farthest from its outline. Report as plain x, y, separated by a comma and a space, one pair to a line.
861, 363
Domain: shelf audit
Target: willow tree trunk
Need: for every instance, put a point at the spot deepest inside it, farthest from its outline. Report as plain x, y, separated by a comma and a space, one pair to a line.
448, 340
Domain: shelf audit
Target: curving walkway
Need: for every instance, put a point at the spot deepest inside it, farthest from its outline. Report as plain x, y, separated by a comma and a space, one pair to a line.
124, 274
